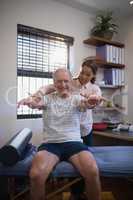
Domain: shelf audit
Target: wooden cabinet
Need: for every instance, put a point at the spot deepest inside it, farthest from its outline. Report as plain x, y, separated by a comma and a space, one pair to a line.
110, 138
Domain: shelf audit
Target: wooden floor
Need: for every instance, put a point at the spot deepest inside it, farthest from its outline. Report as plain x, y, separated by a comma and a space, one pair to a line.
66, 196
112, 189
105, 196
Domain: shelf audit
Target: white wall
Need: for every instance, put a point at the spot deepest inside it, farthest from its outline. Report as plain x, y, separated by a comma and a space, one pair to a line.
43, 14
127, 36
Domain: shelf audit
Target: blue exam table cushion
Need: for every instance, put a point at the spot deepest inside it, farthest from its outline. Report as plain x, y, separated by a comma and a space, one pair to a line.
113, 161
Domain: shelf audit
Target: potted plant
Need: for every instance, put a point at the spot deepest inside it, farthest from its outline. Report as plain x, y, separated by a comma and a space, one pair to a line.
104, 25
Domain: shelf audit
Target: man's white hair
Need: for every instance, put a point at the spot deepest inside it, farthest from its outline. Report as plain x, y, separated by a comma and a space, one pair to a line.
61, 70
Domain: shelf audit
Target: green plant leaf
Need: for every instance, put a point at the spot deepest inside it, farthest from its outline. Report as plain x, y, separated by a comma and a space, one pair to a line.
104, 23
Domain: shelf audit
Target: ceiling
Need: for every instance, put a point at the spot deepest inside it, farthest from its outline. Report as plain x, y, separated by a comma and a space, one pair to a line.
120, 7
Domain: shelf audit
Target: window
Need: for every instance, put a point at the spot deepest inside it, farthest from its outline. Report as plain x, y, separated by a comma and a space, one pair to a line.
39, 53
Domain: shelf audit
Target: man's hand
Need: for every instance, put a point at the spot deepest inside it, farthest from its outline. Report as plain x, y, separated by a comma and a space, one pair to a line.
24, 101
31, 102
92, 100
37, 105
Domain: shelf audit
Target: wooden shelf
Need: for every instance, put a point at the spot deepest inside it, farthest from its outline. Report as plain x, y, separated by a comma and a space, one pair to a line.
104, 64
104, 108
111, 86
96, 41
99, 59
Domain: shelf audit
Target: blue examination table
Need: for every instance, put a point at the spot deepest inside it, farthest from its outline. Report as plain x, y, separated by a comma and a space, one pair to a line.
112, 161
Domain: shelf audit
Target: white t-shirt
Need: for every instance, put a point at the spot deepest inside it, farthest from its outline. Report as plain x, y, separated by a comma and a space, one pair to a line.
61, 118
86, 120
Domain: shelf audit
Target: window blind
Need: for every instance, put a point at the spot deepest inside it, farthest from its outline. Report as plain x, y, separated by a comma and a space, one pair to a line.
39, 53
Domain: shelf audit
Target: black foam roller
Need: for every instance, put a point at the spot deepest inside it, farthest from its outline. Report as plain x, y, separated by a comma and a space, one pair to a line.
11, 153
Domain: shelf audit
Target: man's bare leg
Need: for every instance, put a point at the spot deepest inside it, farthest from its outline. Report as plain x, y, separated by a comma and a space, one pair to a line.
42, 165
86, 165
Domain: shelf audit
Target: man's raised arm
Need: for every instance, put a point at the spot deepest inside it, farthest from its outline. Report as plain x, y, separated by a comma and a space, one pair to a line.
35, 98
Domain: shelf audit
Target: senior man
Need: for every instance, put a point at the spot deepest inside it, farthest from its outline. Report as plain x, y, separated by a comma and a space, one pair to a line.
62, 140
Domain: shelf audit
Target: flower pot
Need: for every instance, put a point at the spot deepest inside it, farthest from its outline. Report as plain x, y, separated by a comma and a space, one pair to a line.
108, 35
